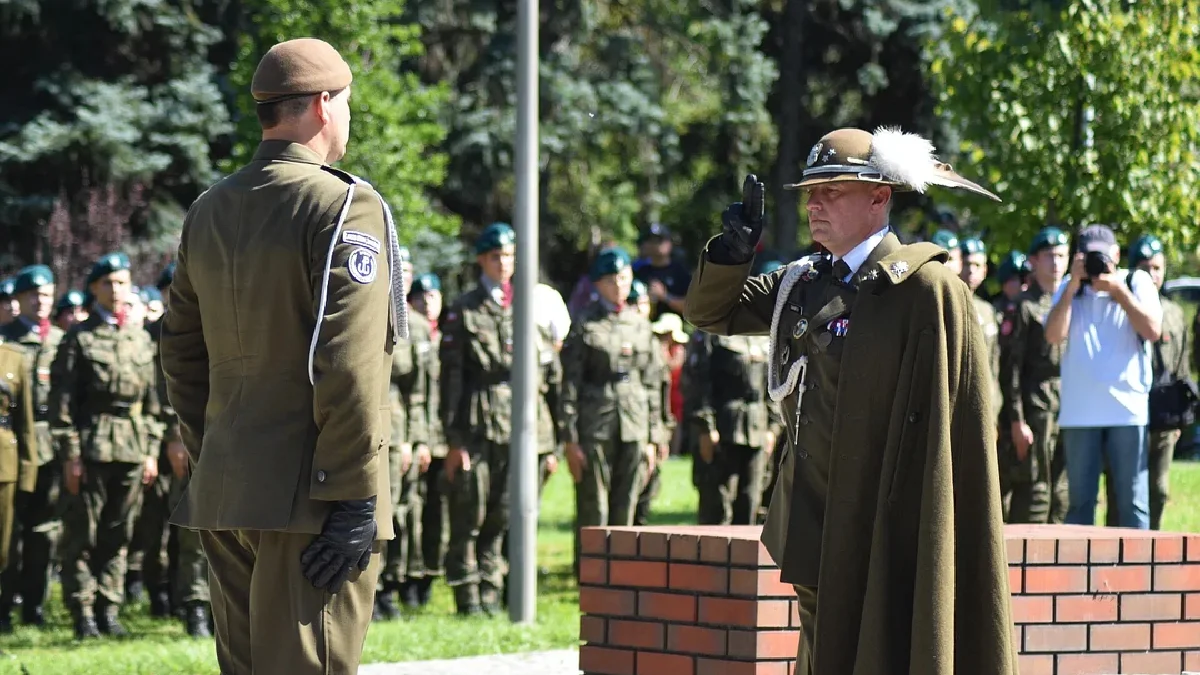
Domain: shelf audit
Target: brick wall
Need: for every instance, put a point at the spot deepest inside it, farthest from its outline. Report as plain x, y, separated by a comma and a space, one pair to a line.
707, 600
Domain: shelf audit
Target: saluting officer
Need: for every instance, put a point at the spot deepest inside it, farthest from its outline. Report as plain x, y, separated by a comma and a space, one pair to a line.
18, 442
886, 514
35, 528
281, 321
612, 394
425, 299
104, 419
1031, 383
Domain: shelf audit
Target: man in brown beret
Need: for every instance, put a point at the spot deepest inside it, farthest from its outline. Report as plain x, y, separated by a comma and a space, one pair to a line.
886, 508
280, 325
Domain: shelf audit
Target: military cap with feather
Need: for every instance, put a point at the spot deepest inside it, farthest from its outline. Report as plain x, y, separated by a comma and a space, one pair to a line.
494, 236
299, 67
106, 265
1146, 247
1048, 237
32, 278
609, 261
889, 156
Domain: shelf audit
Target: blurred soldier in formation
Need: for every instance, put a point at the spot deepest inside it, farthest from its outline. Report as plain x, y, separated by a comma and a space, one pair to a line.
36, 523
1031, 384
104, 419
18, 446
949, 241
974, 273
70, 310
425, 298
8, 303
639, 299
1012, 274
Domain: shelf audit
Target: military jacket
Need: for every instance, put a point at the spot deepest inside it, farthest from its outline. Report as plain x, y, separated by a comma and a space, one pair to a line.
612, 378
730, 372
166, 417
1006, 310
1173, 349
476, 355
1031, 377
425, 341
103, 394
18, 442
40, 355
407, 424
989, 323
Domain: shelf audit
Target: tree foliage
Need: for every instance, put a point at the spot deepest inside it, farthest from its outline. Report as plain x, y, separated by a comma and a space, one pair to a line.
1078, 114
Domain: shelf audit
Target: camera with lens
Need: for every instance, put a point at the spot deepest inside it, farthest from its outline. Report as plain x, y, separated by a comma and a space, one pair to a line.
1096, 263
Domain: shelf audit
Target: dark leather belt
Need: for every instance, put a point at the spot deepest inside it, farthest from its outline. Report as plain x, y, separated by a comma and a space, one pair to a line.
115, 408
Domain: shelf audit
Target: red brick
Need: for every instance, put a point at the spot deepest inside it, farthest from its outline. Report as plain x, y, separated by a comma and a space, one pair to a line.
1151, 607
593, 600
1085, 664
696, 640
1055, 639
1177, 578
1105, 551
643, 573
1085, 608
593, 571
1072, 551
591, 629
749, 552
1168, 549
652, 545
668, 606
1016, 579
700, 578
714, 667
605, 661
658, 664
1192, 606
1035, 664
684, 547
760, 583
1016, 551
593, 541
1193, 548
1056, 579
794, 613
1177, 635
1121, 637
1121, 579
1191, 661
1039, 551
715, 550
1152, 662
1137, 550
638, 634
744, 613
764, 644
623, 543
1032, 609
1017, 633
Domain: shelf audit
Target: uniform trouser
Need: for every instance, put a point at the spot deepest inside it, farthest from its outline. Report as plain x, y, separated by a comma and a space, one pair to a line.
152, 532
1007, 466
402, 557
270, 619
189, 577
608, 490
770, 474
1162, 448
478, 500
731, 486
650, 491
34, 539
806, 597
1039, 487
8, 492
435, 517
97, 529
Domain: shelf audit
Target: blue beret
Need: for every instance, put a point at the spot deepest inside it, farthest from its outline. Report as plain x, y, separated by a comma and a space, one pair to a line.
972, 245
494, 236
32, 278
106, 265
425, 283
6, 288
946, 239
1146, 247
1048, 237
655, 231
609, 261
1013, 264
150, 294
68, 300
637, 291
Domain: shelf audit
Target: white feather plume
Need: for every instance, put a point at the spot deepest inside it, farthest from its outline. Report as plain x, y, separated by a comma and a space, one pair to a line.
904, 157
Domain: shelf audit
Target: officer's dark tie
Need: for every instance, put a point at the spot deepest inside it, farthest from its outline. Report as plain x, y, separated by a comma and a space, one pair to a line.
841, 271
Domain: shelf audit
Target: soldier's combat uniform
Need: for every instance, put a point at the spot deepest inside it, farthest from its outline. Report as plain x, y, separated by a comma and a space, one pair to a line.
18, 442
104, 410
1031, 384
1013, 265
36, 525
435, 514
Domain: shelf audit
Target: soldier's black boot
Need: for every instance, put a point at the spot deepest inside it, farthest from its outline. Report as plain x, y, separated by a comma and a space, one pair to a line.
160, 602
385, 606
466, 600
196, 620
134, 588
409, 593
424, 590
489, 599
108, 623
6, 626
85, 625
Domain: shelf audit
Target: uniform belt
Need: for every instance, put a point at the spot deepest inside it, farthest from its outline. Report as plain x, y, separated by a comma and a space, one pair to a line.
118, 408
492, 379
619, 376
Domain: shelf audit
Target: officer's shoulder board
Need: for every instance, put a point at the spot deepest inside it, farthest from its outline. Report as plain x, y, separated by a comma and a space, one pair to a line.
345, 176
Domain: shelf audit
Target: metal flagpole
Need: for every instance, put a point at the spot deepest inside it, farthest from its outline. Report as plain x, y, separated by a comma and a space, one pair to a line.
523, 462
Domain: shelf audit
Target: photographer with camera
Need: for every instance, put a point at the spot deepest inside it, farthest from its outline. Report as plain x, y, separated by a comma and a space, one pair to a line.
1107, 317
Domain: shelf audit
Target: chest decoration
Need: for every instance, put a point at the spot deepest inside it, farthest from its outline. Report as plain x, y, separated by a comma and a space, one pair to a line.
780, 384
1006, 327
800, 328
898, 268
838, 327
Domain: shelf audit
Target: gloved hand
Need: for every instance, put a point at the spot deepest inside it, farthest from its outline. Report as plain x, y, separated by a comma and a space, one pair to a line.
344, 542
742, 222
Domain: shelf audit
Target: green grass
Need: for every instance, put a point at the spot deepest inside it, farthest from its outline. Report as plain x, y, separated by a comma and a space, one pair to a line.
161, 648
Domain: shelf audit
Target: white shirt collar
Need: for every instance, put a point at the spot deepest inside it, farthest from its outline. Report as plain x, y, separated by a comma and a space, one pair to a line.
859, 254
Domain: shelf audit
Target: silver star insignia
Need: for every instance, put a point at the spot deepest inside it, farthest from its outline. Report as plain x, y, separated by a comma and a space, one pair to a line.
899, 268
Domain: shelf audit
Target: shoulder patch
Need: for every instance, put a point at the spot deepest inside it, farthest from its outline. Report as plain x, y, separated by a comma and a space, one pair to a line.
363, 239
362, 266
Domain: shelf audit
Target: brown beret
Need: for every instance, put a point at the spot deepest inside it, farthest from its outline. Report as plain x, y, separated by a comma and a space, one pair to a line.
298, 67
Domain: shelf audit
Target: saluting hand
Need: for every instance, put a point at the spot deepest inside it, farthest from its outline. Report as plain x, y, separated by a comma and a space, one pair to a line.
742, 222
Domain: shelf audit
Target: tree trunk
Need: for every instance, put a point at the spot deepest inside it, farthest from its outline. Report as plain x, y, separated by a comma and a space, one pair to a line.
789, 152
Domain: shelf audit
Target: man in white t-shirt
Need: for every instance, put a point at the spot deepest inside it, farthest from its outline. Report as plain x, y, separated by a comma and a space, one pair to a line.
1107, 317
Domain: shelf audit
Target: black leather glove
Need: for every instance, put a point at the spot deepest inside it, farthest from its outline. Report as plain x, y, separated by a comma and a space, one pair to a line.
345, 542
742, 222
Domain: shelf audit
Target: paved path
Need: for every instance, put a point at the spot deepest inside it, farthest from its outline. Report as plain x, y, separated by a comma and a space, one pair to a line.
559, 662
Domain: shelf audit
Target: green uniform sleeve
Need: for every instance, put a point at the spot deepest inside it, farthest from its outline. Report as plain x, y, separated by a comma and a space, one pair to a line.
65, 388
552, 383
700, 392
1010, 380
351, 295
23, 427
572, 366
412, 392
183, 353
722, 300
453, 403
652, 377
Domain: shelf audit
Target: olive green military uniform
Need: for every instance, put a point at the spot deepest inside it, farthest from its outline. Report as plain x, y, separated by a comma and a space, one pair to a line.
731, 377
36, 525
18, 439
990, 325
104, 409
148, 561
1006, 310
1031, 384
612, 393
435, 509
476, 402
403, 556
653, 483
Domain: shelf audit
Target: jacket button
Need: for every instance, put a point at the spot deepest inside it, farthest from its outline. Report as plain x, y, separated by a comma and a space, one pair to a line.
320, 476
912, 417
803, 454
804, 419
